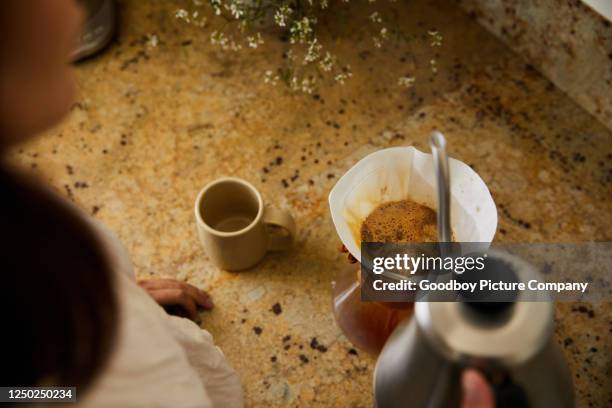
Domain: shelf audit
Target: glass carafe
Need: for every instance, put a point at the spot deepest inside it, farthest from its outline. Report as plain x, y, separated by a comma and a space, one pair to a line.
367, 325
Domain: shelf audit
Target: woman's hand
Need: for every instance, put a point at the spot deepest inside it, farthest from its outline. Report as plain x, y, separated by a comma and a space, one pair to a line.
177, 297
477, 393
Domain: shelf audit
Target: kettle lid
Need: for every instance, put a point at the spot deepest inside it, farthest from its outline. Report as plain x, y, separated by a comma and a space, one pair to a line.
509, 332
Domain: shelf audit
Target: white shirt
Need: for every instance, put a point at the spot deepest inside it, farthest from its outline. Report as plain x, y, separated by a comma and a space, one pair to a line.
159, 360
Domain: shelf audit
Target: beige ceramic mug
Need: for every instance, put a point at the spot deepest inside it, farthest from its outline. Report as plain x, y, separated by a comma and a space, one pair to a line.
235, 227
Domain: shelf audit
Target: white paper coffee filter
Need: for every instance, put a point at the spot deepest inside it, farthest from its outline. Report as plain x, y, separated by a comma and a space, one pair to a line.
400, 173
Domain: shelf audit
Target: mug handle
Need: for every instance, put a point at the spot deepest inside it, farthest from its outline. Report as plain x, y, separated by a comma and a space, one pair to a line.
279, 218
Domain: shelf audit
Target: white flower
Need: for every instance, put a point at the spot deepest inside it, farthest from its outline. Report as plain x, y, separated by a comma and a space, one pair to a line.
270, 78
194, 18
216, 5
255, 41
434, 66
327, 63
406, 81
182, 14
223, 41
290, 56
340, 78
313, 52
293, 84
152, 40
308, 85
375, 17
301, 30
282, 15
343, 76
436, 38
378, 39
236, 11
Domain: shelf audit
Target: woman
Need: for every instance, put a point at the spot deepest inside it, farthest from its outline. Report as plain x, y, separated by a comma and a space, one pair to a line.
73, 313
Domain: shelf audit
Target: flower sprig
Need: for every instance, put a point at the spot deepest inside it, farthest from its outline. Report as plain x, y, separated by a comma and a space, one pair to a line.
308, 60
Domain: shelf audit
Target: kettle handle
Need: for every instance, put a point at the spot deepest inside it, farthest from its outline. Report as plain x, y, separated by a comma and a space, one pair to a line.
448, 393
509, 394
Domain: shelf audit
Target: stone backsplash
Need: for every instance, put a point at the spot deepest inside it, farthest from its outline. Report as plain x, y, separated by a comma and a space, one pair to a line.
565, 39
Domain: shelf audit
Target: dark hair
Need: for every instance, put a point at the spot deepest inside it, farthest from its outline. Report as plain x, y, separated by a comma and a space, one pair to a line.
59, 311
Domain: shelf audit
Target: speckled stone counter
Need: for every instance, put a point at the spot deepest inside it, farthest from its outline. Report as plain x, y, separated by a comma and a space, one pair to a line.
154, 124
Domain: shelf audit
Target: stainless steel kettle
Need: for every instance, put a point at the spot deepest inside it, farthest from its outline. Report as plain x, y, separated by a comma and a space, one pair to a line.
511, 343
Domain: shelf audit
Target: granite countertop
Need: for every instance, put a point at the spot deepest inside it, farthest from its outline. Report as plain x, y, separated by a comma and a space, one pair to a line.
154, 124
